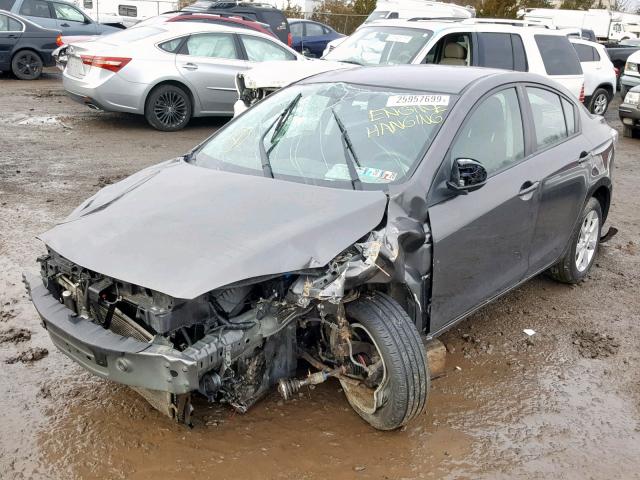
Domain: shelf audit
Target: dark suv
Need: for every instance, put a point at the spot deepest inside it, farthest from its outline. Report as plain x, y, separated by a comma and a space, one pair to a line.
260, 12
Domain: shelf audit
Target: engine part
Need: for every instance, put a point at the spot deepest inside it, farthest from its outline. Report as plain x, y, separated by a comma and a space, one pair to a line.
287, 387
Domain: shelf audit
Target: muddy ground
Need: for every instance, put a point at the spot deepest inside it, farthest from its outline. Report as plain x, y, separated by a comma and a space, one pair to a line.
563, 403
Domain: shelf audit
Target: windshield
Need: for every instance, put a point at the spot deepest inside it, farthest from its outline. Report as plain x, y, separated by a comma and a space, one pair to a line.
378, 45
338, 134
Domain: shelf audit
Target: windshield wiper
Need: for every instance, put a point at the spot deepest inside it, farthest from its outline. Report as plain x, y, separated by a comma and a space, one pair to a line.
279, 124
349, 153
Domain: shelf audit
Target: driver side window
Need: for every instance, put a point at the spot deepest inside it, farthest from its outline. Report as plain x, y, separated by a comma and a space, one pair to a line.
453, 49
493, 134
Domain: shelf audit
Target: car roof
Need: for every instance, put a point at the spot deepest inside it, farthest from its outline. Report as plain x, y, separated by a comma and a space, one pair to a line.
431, 78
192, 27
468, 24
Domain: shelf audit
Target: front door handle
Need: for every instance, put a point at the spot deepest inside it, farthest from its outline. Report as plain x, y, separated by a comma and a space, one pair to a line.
65, 25
190, 66
527, 188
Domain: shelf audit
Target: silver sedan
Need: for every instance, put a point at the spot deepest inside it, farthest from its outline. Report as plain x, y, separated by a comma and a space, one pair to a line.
168, 73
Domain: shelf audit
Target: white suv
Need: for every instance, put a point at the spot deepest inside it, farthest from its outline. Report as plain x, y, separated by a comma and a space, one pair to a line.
466, 43
599, 75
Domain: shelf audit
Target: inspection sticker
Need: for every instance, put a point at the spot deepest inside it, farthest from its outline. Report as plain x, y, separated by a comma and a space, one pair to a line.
412, 100
340, 171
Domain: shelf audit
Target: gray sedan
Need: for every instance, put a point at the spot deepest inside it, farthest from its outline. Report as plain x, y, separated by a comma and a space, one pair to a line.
333, 223
169, 72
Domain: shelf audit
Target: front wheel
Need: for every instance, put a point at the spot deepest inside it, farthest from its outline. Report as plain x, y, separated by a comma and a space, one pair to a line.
581, 254
400, 391
599, 102
27, 65
168, 108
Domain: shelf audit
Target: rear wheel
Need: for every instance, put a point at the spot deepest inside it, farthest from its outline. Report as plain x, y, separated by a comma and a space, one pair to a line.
399, 392
26, 65
577, 262
168, 108
599, 102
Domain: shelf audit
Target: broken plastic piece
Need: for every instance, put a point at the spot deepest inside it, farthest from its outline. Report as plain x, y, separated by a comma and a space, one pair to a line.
529, 331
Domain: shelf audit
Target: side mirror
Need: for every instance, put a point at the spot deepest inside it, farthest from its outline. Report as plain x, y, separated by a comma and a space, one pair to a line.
307, 53
467, 175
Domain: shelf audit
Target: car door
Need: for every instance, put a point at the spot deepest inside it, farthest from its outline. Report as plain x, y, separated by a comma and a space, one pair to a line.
209, 62
591, 66
10, 33
562, 169
315, 38
481, 240
71, 21
39, 12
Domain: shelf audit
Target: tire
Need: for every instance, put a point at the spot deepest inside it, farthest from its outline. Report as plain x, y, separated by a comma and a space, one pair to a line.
570, 269
168, 108
27, 65
599, 101
402, 351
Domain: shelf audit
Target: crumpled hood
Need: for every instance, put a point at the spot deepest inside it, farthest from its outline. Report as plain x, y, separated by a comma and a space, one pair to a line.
278, 74
184, 230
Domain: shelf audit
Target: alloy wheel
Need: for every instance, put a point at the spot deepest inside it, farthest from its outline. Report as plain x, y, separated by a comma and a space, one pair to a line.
600, 104
587, 241
29, 65
170, 109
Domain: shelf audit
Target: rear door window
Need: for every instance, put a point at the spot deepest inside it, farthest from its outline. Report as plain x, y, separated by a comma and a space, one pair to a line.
262, 50
8, 24
67, 12
35, 8
213, 45
586, 53
502, 50
548, 117
520, 63
297, 29
495, 50
314, 30
558, 55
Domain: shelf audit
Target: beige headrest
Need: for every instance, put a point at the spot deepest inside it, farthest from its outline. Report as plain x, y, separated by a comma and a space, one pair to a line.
454, 50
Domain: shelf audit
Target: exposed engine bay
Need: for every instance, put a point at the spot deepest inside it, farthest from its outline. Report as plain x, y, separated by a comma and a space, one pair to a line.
248, 337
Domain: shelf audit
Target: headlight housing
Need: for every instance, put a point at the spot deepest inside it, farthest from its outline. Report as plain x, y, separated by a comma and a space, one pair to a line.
631, 67
632, 98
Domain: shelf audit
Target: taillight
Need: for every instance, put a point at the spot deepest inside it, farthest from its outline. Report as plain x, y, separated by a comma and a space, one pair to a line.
113, 64
59, 41
581, 97
289, 39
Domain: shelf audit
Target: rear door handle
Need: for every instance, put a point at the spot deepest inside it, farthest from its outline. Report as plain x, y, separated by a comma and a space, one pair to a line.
12, 35
190, 66
527, 188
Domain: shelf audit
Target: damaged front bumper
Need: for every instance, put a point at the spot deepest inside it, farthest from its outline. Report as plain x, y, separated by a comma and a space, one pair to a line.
109, 355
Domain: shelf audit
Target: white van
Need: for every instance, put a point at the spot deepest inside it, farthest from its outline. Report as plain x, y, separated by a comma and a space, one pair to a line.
406, 9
